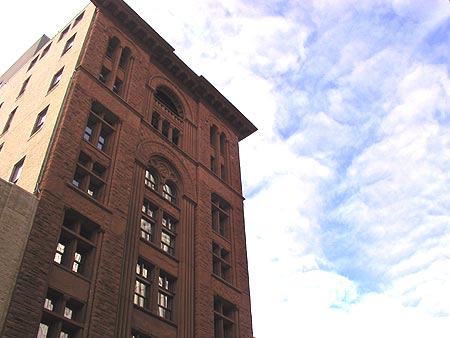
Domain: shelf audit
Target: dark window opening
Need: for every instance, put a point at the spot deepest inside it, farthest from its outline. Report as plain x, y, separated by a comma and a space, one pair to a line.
117, 87
112, 47
24, 86
176, 136
165, 128
104, 74
155, 120
124, 57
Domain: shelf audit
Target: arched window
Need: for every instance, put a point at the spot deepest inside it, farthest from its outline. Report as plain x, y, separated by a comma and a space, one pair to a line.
124, 57
151, 180
112, 47
212, 135
223, 140
169, 100
169, 192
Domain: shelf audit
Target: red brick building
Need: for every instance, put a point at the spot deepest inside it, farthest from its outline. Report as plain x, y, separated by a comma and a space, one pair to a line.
133, 158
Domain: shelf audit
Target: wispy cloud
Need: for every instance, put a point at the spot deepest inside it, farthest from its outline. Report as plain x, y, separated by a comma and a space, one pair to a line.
350, 163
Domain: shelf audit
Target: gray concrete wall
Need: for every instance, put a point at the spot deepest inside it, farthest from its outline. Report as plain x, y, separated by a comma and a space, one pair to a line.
17, 210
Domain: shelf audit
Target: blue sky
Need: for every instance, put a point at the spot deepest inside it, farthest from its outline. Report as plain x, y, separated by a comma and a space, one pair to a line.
351, 161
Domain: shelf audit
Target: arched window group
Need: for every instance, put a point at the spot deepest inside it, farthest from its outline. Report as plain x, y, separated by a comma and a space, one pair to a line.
115, 66
167, 114
167, 189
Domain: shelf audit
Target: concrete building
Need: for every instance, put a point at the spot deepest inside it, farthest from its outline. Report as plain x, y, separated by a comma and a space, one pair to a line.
125, 188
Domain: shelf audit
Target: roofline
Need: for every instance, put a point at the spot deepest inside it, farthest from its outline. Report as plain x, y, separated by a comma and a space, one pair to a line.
162, 52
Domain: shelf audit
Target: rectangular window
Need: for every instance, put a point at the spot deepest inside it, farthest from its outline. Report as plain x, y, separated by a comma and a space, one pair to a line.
148, 220
221, 262
76, 245
8, 122
165, 295
168, 234
89, 176
100, 127
78, 19
69, 44
62, 316
40, 119
224, 319
135, 334
143, 284
17, 171
64, 33
104, 74
24, 86
56, 78
220, 210
46, 49
33, 62
117, 87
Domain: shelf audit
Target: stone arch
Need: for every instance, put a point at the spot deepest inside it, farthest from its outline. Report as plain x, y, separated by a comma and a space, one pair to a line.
159, 81
168, 164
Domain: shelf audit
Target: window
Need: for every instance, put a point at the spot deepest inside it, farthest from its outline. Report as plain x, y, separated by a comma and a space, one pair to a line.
143, 284
212, 163
168, 101
104, 74
148, 220
151, 180
165, 295
165, 128
135, 334
112, 47
117, 87
24, 86
56, 78
169, 193
33, 62
89, 176
221, 262
224, 313
69, 44
17, 170
168, 234
40, 119
78, 19
220, 215
45, 51
155, 120
100, 127
223, 140
76, 245
62, 316
218, 154
212, 135
63, 33
175, 136
8, 122
124, 57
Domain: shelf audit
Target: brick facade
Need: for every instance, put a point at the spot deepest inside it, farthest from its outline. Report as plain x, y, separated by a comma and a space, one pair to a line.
138, 160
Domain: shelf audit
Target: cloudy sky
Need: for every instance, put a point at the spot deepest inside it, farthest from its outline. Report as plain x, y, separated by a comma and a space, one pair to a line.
351, 162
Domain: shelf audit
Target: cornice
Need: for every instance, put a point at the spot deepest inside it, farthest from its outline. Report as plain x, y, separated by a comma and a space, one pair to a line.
163, 53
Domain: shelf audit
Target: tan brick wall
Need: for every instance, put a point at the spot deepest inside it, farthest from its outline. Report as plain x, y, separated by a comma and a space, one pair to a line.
18, 141
17, 209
